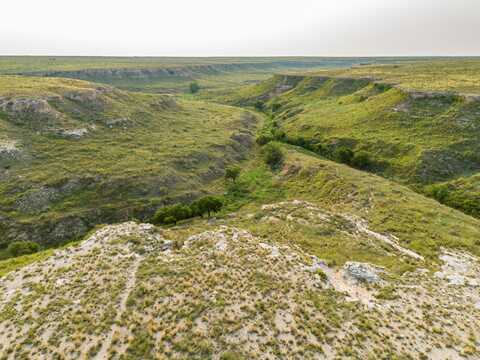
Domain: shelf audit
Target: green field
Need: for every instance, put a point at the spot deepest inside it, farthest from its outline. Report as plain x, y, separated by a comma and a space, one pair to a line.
442, 75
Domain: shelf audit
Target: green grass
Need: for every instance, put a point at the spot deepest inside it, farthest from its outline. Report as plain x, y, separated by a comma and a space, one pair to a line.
412, 138
13, 264
452, 75
420, 223
30, 64
462, 194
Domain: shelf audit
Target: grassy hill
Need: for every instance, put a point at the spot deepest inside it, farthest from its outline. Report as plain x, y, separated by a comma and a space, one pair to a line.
455, 75
74, 154
416, 137
251, 282
326, 246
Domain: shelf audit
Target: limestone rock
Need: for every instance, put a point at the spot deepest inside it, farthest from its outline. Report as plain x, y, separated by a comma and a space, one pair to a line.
362, 271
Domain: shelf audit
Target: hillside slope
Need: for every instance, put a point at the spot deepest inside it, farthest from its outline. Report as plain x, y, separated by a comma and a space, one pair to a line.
74, 154
362, 269
415, 137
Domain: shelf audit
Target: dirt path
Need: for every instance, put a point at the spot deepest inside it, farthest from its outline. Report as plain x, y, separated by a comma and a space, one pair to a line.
130, 284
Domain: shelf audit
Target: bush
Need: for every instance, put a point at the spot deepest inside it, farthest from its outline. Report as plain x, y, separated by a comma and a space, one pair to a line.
276, 107
18, 248
194, 87
279, 135
344, 155
439, 192
259, 105
232, 173
263, 139
172, 214
362, 160
273, 155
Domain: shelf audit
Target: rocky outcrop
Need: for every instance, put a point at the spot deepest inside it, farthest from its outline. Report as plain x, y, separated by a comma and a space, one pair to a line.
187, 71
32, 112
459, 269
9, 152
362, 272
40, 199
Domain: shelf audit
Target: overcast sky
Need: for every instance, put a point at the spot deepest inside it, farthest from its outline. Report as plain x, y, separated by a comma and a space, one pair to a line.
240, 27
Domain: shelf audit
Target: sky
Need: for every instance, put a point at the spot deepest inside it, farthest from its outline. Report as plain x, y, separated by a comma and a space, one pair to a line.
240, 27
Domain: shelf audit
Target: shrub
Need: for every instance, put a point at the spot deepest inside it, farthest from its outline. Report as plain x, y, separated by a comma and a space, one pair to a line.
344, 155
194, 87
273, 155
172, 214
263, 139
439, 192
259, 105
279, 135
18, 248
362, 160
232, 173
276, 107
319, 148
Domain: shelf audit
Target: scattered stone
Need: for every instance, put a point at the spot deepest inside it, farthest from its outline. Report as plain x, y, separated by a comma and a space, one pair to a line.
362, 271
74, 133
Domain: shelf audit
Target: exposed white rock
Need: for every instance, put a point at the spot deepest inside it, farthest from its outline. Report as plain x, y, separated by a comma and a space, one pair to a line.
75, 133
362, 226
9, 150
362, 271
458, 269
274, 251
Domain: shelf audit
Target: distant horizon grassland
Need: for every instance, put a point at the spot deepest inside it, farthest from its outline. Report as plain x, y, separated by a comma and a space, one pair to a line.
460, 75
30, 64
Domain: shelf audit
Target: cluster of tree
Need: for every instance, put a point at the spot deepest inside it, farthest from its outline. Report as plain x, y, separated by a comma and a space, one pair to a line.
19, 248
448, 195
360, 160
173, 213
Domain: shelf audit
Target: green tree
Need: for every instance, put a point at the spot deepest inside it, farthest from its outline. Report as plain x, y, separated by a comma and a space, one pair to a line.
209, 204
194, 87
259, 105
344, 155
18, 248
263, 139
232, 173
172, 214
276, 107
362, 160
273, 155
